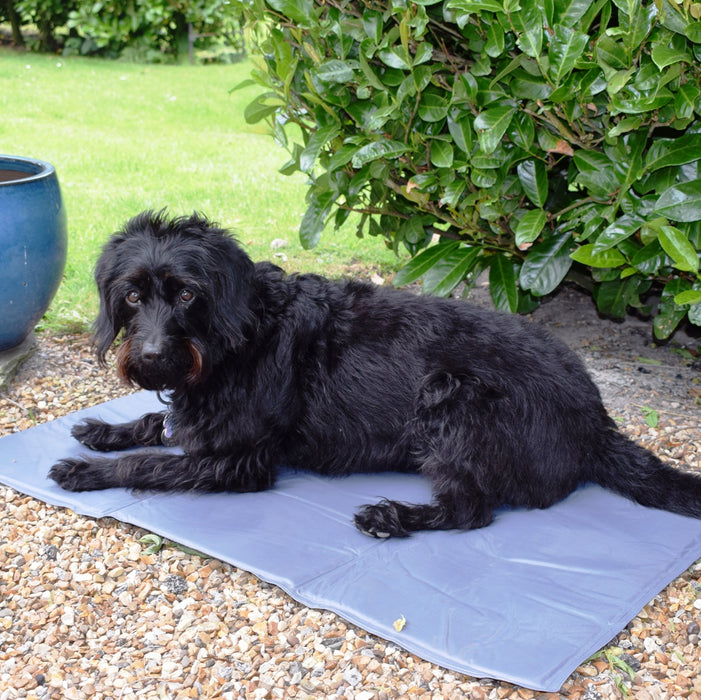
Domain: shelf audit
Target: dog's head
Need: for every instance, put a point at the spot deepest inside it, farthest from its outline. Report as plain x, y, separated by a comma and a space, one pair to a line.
180, 290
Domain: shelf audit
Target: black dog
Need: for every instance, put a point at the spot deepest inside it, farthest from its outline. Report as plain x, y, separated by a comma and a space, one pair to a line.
266, 369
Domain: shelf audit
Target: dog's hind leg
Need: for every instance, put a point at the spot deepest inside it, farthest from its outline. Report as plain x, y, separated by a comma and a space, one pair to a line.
445, 452
464, 509
105, 437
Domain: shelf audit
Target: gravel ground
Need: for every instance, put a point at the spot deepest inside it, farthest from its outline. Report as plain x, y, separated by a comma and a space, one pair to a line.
86, 612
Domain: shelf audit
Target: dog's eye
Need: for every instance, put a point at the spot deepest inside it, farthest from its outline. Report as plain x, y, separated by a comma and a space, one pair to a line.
186, 295
133, 297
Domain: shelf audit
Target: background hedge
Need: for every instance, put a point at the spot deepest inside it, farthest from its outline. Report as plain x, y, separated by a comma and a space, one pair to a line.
144, 30
549, 141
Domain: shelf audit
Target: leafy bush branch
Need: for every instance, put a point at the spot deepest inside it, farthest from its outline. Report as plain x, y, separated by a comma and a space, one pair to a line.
543, 141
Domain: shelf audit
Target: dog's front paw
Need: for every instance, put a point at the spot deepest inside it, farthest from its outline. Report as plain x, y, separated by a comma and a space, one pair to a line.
75, 475
94, 434
380, 520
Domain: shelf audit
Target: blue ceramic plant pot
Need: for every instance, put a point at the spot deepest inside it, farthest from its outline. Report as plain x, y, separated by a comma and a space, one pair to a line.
33, 245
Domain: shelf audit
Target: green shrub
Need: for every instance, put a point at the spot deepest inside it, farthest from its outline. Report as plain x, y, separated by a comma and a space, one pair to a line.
47, 15
150, 30
147, 30
552, 140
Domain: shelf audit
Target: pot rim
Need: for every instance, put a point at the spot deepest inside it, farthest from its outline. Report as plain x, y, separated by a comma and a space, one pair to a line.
38, 169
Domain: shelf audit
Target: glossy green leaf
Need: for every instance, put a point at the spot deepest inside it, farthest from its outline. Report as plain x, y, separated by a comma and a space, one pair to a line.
669, 313
424, 52
530, 226
587, 161
502, 284
507, 69
422, 77
681, 202
433, 107
664, 56
547, 264
672, 20
528, 23
624, 227
300, 11
465, 89
611, 299
530, 87
650, 258
313, 223
491, 125
521, 131
373, 24
630, 103
379, 117
677, 151
449, 271
453, 192
686, 100
612, 53
470, 6
569, 12
335, 71
597, 173
316, 142
378, 149
491, 161
395, 57
618, 80
441, 154
531, 42
694, 314
534, 180
586, 255
483, 178
461, 131
342, 156
693, 32
420, 264
566, 46
678, 247
369, 73
636, 20
261, 108
494, 45
625, 125
413, 231
690, 296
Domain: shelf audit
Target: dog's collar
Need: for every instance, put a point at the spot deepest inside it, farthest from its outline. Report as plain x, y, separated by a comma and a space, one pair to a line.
168, 432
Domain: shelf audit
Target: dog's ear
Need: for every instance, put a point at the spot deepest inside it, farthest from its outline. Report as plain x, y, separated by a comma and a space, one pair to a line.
232, 280
109, 320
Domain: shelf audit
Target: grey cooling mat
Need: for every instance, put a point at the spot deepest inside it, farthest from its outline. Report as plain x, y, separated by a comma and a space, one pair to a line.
525, 600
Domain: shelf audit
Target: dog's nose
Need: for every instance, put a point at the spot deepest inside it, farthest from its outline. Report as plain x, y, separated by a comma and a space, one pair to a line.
151, 351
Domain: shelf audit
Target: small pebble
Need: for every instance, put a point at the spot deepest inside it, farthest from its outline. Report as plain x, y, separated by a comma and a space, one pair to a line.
174, 584
50, 552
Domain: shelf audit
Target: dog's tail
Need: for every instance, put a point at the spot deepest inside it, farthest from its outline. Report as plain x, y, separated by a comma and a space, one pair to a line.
630, 470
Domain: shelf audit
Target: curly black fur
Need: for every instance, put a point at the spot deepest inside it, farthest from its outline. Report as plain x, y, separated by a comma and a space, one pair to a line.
267, 369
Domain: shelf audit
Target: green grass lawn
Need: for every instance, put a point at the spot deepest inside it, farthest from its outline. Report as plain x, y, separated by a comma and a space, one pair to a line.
126, 137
